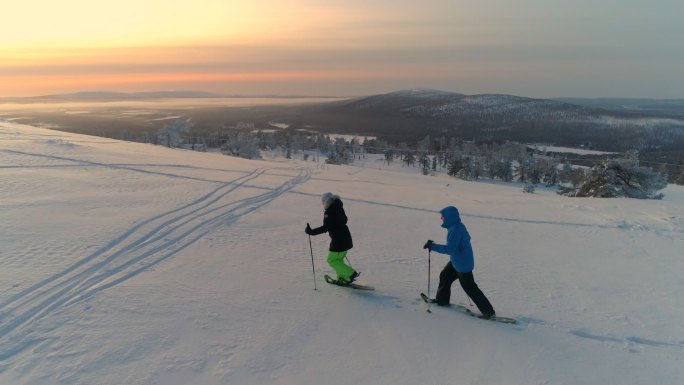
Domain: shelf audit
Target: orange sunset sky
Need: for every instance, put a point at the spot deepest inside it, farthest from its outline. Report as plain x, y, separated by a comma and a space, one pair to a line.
341, 48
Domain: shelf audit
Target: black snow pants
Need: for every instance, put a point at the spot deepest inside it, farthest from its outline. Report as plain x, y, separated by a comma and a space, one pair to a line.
448, 276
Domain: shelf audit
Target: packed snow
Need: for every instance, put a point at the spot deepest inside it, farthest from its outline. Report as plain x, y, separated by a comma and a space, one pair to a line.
128, 263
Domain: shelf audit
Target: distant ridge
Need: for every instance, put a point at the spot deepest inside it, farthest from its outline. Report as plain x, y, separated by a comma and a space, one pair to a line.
671, 107
421, 92
412, 114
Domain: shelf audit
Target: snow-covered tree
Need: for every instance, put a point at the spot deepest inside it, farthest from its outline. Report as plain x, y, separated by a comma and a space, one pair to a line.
389, 156
147, 137
531, 170
424, 162
242, 145
456, 164
548, 168
620, 178
472, 169
409, 158
499, 169
339, 154
171, 135
679, 178
572, 175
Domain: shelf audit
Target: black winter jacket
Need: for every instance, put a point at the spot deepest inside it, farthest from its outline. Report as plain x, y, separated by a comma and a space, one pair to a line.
335, 224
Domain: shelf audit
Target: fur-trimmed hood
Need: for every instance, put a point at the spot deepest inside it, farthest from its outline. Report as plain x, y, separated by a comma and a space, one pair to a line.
334, 223
328, 199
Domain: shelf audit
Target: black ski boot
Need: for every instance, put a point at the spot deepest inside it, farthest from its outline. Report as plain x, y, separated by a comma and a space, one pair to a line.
487, 316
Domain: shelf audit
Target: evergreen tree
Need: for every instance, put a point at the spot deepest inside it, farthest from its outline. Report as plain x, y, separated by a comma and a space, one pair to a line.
472, 169
339, 153
455, 165
424, 162
679, 179
409, 159
548, 168
500, 168
620, 178
389, 156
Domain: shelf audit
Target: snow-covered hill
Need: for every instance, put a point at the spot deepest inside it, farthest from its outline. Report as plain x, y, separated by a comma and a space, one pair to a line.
125, 263
413, 114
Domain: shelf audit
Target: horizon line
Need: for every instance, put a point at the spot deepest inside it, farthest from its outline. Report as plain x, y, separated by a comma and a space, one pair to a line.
208, 95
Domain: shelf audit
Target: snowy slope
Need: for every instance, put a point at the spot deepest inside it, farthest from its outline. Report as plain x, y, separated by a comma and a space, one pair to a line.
125, 263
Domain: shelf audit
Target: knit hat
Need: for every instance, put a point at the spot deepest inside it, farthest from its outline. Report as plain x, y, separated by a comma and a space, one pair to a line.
326, 196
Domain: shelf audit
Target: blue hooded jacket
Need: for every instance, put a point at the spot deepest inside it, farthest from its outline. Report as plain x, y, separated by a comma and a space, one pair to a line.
458, 241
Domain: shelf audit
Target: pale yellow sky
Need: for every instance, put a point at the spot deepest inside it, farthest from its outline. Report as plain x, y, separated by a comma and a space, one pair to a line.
91, 23
530, 48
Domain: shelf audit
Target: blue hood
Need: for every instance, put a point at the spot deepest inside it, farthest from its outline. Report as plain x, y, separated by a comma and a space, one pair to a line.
451, 216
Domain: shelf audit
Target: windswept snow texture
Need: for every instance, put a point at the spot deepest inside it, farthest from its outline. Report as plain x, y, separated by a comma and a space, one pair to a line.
125, 263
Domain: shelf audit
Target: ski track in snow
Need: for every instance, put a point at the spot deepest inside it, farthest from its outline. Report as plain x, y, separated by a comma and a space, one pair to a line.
582, 333
81, 162
134, 167
26, 316
136, 250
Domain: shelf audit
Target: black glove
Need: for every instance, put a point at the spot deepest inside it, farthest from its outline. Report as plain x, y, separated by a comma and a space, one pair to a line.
428, 244
308, 229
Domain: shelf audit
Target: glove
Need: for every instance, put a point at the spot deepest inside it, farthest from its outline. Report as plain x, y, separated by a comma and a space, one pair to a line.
308, 229
428, 244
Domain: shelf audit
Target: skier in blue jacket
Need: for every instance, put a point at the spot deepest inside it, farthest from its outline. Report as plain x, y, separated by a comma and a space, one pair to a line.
461, 263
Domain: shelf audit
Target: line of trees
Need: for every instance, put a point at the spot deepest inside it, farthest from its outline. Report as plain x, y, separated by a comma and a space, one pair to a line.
468, 160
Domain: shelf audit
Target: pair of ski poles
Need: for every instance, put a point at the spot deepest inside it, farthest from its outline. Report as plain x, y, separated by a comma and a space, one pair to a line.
313, 269
429, 275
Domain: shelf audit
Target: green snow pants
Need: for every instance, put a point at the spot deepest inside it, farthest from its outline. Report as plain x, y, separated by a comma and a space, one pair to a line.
336, 261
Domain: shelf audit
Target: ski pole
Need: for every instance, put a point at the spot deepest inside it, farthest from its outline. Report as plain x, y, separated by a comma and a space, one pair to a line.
312, 261
348, 263
428, 309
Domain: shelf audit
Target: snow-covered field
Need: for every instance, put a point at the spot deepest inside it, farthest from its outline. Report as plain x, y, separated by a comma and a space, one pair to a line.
125, 263
568, 150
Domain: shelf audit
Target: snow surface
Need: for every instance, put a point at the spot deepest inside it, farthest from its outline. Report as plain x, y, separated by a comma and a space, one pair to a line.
127, 263
568, 150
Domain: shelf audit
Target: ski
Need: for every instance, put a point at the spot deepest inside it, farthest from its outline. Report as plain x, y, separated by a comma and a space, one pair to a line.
465, 310
352, 285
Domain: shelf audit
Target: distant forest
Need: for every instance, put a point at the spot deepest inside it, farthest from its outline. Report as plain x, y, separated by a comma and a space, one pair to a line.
655, 129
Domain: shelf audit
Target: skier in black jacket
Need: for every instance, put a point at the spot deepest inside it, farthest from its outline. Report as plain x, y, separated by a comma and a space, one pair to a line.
335, 224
